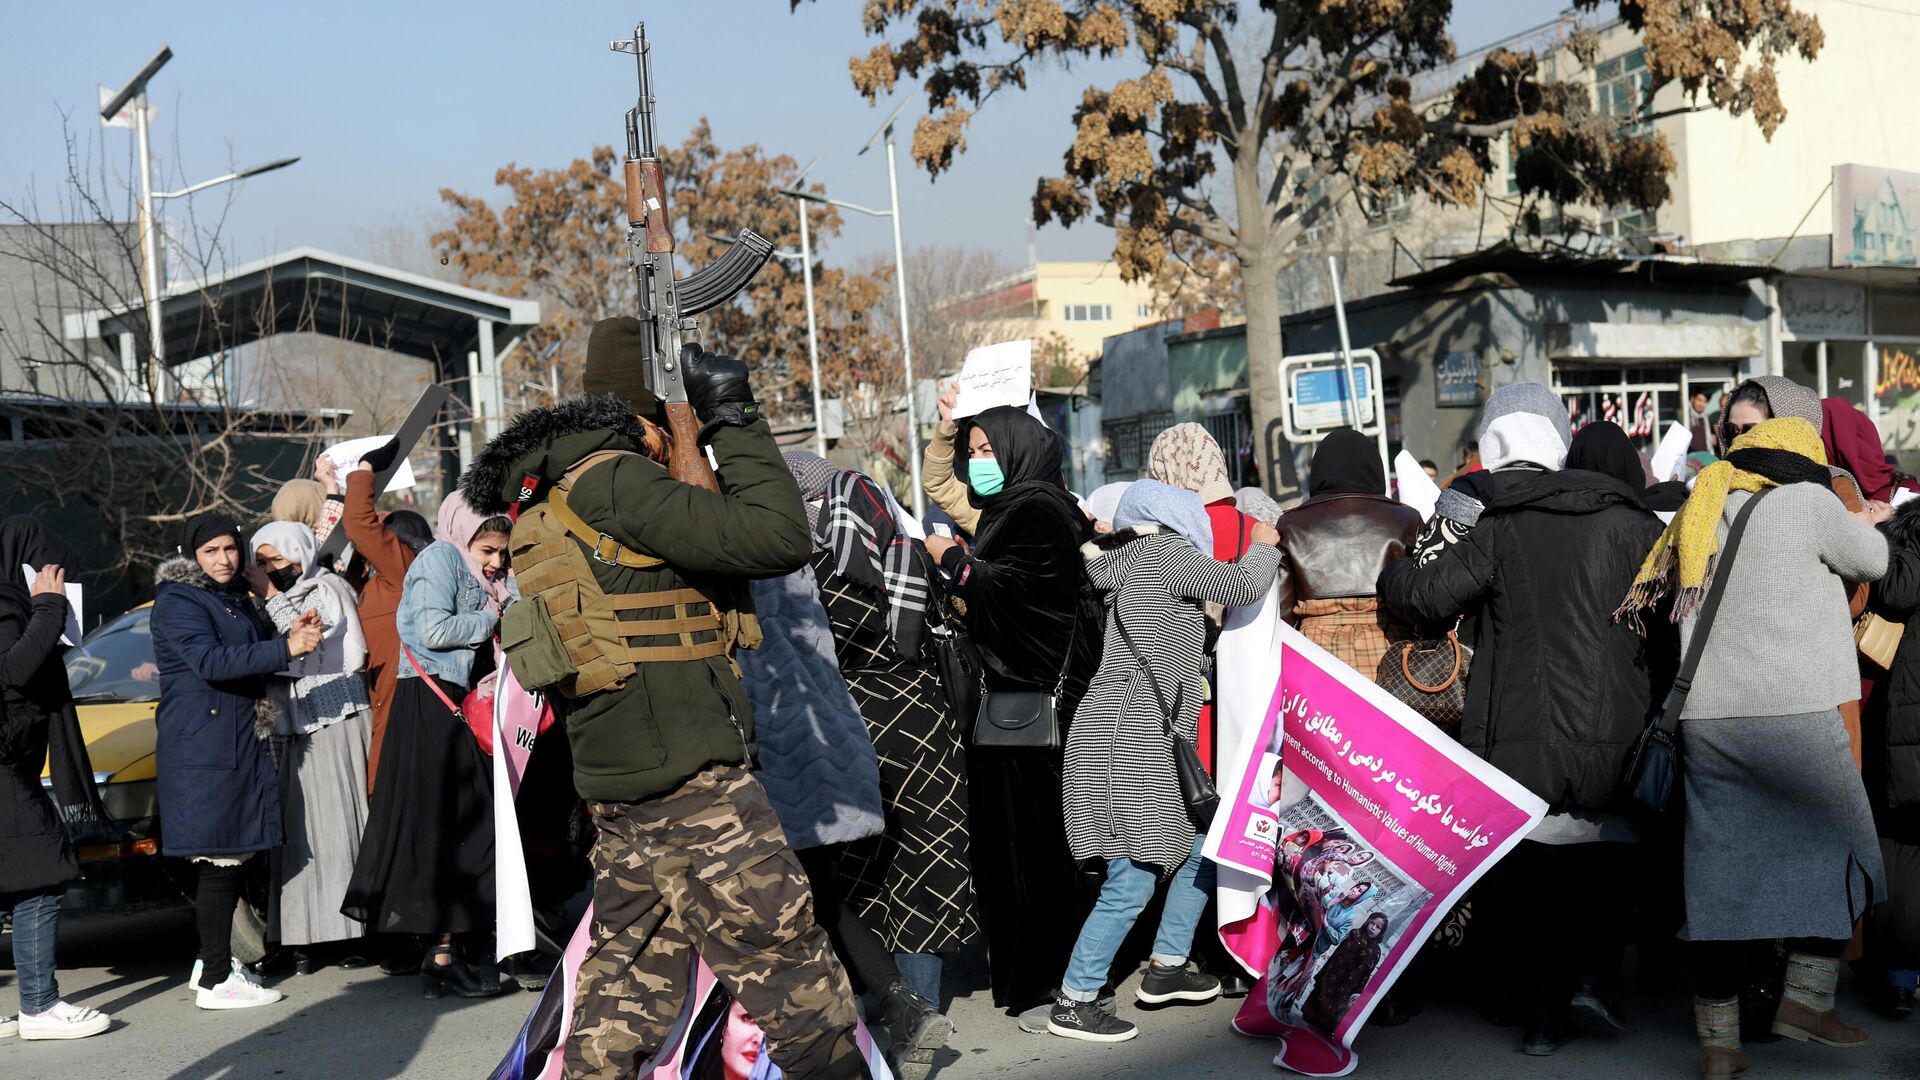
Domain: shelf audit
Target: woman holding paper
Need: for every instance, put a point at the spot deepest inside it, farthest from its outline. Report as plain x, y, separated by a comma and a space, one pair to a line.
1023, 586
38, 726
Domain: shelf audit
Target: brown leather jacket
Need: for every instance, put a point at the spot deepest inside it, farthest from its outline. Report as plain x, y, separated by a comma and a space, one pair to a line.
1336, 545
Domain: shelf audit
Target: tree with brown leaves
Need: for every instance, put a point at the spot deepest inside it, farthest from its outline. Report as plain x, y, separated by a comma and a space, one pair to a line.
1210, 149
558, 239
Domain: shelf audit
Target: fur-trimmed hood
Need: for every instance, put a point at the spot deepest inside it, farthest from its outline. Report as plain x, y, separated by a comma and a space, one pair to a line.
183, 570
1103, 554
1903, 531
545, 443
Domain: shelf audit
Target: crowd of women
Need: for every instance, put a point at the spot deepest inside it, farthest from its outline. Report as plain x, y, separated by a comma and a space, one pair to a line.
312, 711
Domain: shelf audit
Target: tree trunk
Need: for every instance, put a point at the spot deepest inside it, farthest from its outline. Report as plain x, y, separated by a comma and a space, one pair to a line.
1260, 285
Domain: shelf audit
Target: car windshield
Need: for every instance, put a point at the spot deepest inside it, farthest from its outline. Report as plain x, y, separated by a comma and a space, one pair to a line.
115, 662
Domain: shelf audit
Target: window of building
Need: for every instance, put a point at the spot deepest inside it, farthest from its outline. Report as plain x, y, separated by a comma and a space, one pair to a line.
1385, 210
1143, 311
1510, 163
1089, 312
1128, 439
1620, 87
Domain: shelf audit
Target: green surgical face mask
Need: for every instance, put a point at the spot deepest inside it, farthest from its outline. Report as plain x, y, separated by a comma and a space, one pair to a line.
985, 475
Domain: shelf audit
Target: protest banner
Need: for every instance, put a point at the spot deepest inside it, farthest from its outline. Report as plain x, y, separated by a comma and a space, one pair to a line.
1349, 826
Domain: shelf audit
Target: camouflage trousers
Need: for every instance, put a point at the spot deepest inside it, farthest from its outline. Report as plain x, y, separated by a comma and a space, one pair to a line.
705, 870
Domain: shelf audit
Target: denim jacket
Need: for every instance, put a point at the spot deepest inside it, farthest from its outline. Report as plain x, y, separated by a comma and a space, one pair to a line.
443, 615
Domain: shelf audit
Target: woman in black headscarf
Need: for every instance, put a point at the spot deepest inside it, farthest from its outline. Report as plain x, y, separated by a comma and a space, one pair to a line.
1334, 545
1604, 448
36, 715
1023, 586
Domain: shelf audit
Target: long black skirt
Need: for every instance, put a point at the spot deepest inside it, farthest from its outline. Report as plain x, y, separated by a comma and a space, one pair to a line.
1033, 897
426, 861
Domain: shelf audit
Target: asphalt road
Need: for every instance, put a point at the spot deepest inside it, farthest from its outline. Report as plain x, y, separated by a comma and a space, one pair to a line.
363, 1025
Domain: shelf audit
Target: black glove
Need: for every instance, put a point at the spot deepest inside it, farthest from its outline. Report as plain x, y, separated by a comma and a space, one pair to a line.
382, 456
717, 389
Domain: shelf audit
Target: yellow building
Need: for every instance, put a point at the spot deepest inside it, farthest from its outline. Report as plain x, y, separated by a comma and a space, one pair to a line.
1082, 302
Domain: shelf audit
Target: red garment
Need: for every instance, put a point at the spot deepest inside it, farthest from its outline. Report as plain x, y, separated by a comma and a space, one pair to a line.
1231, 532
1853, 444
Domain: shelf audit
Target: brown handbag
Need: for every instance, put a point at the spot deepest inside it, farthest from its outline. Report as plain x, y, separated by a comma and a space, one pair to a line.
1430, 676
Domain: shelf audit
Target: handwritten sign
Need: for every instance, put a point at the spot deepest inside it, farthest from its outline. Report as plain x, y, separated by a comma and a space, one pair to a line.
348, 454
994, 375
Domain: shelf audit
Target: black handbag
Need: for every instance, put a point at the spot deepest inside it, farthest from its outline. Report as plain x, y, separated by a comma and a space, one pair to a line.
955, 657
1024, 719
1202, 799
1651, 784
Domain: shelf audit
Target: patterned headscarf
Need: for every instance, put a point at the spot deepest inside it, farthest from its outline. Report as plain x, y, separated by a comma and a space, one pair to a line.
1782, 450
812, 472
854, 520
1186, 456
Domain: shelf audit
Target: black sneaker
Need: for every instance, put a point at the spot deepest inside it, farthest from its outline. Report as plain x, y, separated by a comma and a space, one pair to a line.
1034, 1020
1083, 1020
1598, 1008
1544, 1040
1183, 983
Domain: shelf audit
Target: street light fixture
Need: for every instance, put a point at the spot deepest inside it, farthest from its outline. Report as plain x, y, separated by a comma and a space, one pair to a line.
134, 93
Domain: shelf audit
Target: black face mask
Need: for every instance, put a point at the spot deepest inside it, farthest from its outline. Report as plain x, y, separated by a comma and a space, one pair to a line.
284, 578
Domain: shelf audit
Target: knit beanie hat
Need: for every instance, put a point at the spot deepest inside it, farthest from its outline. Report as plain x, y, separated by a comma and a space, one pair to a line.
201, 528
616, 364
1524, 422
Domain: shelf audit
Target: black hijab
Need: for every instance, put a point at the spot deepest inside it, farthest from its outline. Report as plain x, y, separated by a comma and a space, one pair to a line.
1346, 463
26, 542
1604, 448
1031, 457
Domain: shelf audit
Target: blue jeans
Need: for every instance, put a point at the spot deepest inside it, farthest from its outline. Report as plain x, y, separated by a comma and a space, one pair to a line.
923, 971
1125, 895
35, 916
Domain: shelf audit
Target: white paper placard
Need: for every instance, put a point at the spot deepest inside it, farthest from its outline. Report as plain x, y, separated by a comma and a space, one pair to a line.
347, 454
1417, 489
1673, 447
1904, 495
993, 375
75, 601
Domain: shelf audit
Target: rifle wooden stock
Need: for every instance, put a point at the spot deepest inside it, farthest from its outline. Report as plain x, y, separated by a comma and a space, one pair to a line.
647, 204
687, 462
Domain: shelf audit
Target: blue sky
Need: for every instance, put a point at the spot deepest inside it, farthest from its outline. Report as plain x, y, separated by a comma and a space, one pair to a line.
388, 102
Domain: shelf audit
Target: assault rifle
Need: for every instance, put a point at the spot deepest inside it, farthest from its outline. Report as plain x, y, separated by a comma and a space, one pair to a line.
668, 306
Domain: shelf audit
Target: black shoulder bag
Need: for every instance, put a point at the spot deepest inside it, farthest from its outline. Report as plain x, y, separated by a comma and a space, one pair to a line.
1651, 784
1202, 799
1025, 719
955, 656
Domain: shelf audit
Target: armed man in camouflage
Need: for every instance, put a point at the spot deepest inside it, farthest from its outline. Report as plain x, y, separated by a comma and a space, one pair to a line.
690, 858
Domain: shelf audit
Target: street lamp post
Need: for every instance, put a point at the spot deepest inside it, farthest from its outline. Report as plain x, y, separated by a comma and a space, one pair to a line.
900, 281
135, 93
813, 335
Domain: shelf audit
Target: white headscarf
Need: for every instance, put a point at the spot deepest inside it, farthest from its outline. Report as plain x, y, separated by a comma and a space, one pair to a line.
293, 540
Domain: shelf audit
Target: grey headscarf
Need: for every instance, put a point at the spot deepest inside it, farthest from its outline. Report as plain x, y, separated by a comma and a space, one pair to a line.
1257, 504
812, 472
1788, 398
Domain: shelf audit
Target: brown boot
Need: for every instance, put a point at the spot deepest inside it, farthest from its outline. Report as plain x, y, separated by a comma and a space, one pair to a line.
1797, 1021
1806, 1007
1718, 1025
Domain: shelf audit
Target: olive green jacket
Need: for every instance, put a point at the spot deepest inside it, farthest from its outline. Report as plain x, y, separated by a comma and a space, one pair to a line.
670, 719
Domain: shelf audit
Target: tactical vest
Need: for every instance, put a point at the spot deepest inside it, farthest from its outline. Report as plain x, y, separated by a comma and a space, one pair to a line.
566, 633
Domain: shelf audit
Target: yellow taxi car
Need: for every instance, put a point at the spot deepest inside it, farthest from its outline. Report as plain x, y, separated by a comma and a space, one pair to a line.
115, 691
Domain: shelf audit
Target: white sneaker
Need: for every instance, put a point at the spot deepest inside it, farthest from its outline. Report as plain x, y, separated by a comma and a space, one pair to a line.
9, 1027
235, 993
236, 967
64, 1021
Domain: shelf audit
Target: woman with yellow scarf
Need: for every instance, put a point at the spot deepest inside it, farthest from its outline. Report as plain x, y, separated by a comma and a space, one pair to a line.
1772, 794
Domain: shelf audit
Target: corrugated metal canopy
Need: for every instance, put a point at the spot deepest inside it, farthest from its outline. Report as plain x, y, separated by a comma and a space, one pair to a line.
1505, 258
309, 290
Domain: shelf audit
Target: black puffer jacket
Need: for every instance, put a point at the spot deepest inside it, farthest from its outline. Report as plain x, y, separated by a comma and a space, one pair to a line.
1558, 690
1891, 747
